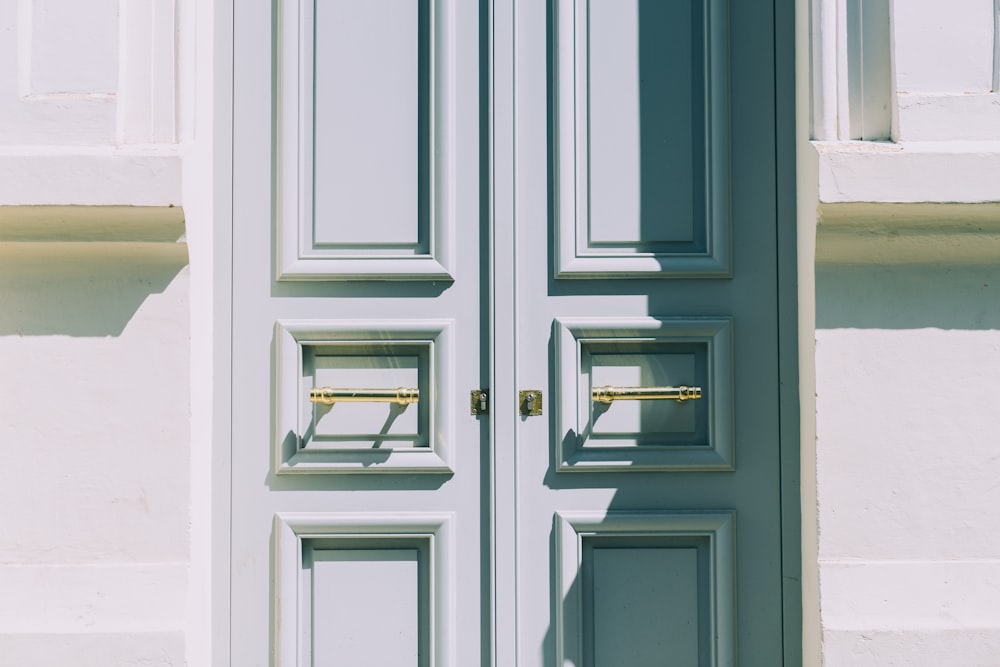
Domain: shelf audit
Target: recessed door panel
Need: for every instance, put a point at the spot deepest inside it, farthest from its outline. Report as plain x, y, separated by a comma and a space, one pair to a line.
365, 129
364, 589
371, 396
643, 136
645, 393
638, 587
357, 594
641, 128
643, 603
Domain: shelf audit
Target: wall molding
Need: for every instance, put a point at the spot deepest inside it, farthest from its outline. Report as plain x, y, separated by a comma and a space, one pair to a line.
893, 233
140, 231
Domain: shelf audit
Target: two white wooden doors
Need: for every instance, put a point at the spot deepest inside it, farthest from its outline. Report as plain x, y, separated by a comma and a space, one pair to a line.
445, 196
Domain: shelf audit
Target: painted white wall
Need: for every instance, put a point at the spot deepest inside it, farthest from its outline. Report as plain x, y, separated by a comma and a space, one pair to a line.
946, 70
907, 371
906, 349
94, 549
912, 70
89, 116
98, 535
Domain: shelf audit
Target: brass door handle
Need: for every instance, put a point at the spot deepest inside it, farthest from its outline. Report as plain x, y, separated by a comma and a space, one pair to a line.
398, 395
609, 394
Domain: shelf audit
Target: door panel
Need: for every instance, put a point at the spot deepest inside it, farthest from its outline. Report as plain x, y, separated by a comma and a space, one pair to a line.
715, 306
636, 587
366, 134
365, 437
356, 154
634, 436
365, 588
640, 123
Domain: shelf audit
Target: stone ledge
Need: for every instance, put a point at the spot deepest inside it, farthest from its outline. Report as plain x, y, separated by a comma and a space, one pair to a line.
947, 117
92, 230
915, 172
89, 177
886, 233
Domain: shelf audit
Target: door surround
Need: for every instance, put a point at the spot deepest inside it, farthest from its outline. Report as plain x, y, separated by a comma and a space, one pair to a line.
211, 490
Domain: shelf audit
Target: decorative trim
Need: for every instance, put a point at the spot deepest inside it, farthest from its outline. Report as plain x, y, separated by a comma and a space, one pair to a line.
715, 527
92, 224
292, 336
297, 258
573, 391
573, 257
865, 233
933, 172
292, 529
147, 97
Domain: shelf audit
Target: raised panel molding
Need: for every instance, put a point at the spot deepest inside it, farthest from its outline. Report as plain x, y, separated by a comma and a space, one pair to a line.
57, 58
295, 417
428, 533
704, 250
411, 235
711, 445
89, 114
708, 533
56, 233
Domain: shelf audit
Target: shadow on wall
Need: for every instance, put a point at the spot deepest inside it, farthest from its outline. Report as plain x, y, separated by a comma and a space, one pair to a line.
908, 297
81, 289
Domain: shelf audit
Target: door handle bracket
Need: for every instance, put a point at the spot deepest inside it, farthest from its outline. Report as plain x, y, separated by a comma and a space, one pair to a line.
610, 394
398, 395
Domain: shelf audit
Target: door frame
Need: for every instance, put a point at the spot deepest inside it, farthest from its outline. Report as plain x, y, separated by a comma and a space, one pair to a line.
211, 489
791, 16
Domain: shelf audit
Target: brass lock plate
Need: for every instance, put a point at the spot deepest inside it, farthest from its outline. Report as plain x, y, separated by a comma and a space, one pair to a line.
529, 402
480, 402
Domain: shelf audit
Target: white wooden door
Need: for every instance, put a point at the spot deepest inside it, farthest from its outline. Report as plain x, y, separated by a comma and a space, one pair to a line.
358, 527
437, 196
642, 171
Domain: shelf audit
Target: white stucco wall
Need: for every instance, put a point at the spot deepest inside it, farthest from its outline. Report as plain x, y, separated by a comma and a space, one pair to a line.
907, 371
907, 351
96, 536
94, 423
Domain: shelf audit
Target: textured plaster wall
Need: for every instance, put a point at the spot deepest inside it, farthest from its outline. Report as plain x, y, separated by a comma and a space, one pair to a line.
95, 335
93, 491
908, 457
907, 352
90, 116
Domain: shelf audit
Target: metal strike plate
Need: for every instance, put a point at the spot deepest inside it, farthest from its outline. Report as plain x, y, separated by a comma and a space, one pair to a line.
529, 402
480, 402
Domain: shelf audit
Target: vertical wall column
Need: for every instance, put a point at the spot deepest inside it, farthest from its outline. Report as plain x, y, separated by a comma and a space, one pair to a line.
852, 83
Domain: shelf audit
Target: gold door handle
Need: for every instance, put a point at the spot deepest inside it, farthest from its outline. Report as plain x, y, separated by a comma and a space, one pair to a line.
398, 395
609, 394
